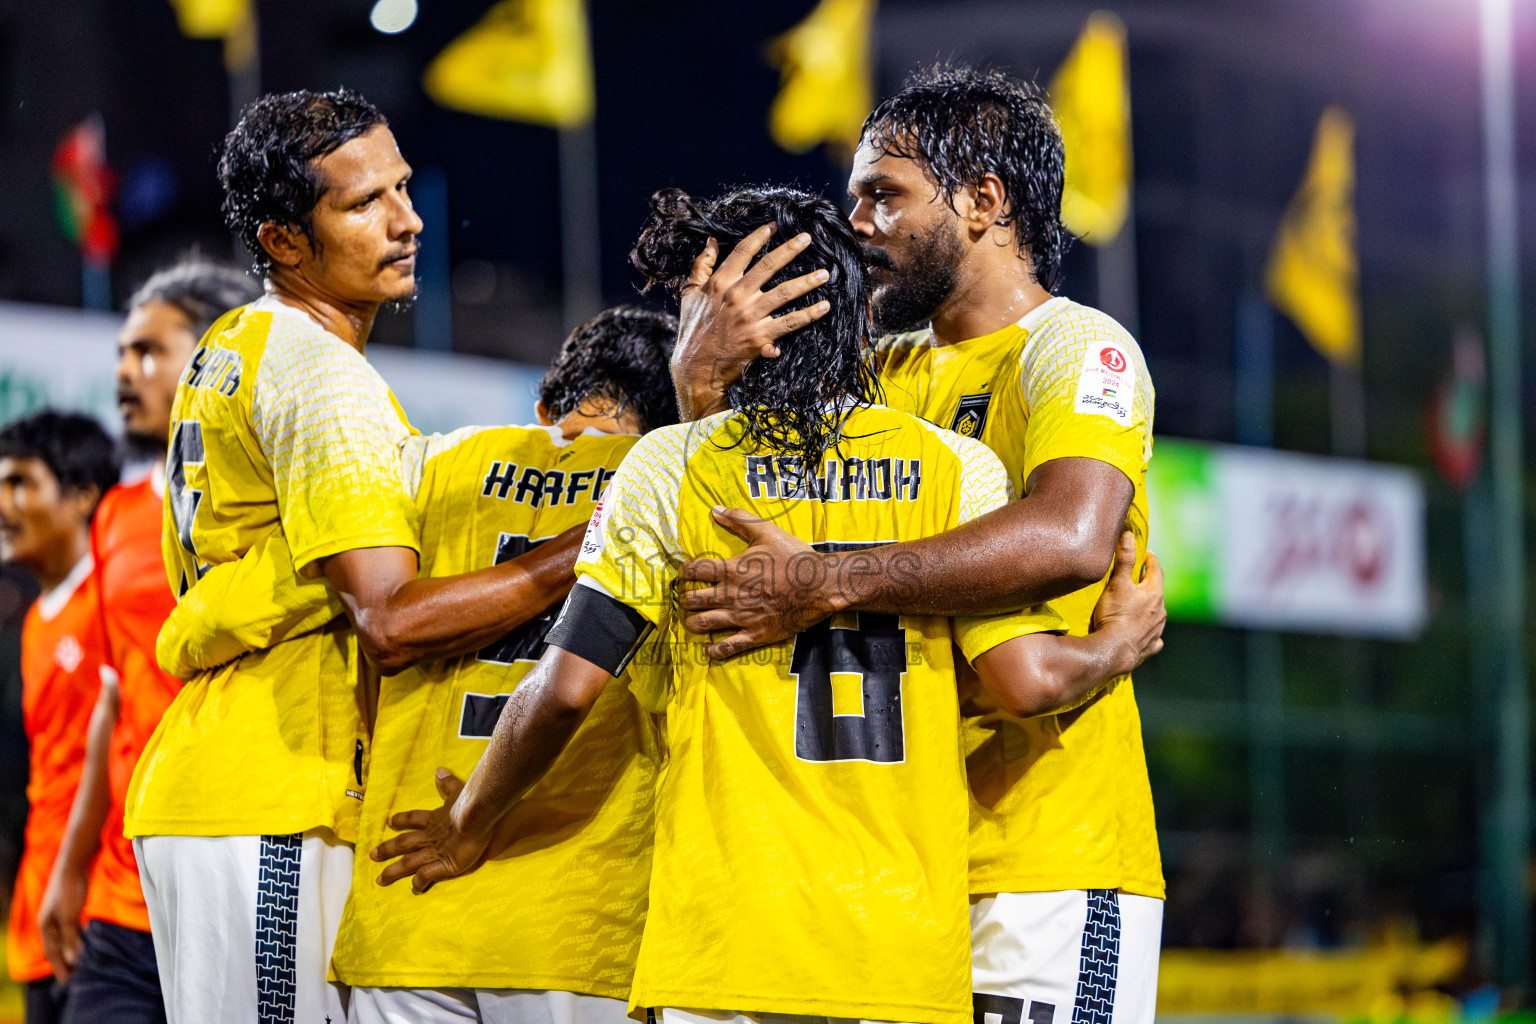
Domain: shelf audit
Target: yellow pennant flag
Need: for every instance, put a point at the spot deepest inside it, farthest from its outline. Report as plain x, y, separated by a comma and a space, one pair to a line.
208, 19
825, 90
1092, 103
1312, 275
527, 60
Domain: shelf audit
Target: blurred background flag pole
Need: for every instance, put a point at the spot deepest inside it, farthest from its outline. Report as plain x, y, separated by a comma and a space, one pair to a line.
1313, 274
826, 88
82, 187
1091, 97
233, 21
530, 60
1506, 843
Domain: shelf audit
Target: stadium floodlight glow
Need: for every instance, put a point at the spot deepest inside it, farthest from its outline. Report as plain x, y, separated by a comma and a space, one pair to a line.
391, 16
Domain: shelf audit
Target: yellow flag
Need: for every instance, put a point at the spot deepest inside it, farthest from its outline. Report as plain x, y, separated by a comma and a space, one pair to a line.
825, 90
208, 19
1312, 275
1093, 106
527, 60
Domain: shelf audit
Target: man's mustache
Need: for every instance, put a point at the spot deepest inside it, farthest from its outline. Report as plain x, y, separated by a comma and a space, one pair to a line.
400, 254
877, 259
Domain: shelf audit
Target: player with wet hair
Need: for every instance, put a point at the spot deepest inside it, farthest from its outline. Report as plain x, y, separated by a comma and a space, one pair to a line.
810, 825
245, 803
549, 930
958, 181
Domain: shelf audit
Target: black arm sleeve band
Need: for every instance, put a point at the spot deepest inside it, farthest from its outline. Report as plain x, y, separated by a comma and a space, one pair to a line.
599, 628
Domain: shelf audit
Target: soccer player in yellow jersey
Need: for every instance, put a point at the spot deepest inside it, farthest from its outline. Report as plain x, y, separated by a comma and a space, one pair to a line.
549, 929
245, 802
811, 821
957, 183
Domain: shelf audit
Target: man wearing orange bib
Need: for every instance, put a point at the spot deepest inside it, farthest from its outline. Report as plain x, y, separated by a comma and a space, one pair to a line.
53, 471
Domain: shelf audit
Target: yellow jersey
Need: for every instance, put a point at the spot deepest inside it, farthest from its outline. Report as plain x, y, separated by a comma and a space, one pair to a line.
1061, 801
277, 424
563, 907
811, 819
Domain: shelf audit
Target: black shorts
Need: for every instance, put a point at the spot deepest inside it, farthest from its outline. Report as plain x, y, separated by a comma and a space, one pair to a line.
115, 981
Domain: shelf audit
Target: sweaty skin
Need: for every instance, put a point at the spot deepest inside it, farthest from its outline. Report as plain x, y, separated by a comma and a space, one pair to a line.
1060, 537
360, 252
1028, 675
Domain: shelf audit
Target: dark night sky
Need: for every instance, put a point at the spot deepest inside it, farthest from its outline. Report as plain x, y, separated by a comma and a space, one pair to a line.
1224, 97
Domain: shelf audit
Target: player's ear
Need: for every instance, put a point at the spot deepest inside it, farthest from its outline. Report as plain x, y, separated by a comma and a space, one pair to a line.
285, 243
990, 203
542, 412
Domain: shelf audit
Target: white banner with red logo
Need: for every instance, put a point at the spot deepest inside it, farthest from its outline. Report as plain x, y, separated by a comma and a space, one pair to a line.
1276, 540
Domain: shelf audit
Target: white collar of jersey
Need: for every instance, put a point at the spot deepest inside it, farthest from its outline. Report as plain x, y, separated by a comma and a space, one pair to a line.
50, 604
1029, 321
270, 303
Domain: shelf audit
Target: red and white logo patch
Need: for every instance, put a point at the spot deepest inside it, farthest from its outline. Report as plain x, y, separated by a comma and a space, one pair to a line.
1104, 385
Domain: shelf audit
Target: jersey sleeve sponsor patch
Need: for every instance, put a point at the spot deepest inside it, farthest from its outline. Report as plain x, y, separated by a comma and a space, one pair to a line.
1106, 383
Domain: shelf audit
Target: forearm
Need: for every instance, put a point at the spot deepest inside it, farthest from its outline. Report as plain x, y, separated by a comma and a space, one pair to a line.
1011, 558
453, 615
535, 727
1046, 673
88, 814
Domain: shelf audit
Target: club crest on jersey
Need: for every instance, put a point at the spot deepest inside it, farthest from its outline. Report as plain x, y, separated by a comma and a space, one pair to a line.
971, 418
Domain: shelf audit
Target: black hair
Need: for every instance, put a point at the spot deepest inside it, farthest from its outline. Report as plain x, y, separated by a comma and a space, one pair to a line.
202, 289
795, 403
267, 164
962, 123
620, 355
75, 448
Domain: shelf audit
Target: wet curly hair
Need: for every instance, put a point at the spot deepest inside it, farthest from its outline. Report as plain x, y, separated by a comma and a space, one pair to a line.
962, 123
267, 163
795, 403
620, 355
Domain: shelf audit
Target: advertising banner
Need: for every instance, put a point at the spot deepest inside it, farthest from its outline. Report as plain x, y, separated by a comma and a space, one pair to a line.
1275, 540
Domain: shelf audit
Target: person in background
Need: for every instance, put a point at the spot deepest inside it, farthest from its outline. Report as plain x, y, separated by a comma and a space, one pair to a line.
111, 964
54, 468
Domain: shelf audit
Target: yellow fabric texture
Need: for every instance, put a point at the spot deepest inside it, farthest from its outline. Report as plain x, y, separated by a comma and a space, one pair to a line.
810, 829
526, 60
255, 602
1313, 275
563, 907
1060, 801
826, 83
277, 424
1092, 101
